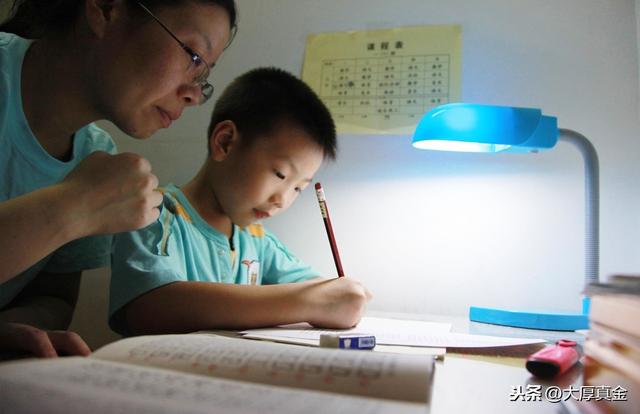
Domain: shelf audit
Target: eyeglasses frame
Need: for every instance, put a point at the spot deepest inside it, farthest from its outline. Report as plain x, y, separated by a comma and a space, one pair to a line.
206, 89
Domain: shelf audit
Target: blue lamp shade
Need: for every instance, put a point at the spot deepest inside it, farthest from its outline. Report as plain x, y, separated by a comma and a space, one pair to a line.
485, 128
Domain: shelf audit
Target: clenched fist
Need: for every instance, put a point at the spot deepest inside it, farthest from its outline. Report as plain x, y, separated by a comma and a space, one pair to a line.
113, 193
336, 303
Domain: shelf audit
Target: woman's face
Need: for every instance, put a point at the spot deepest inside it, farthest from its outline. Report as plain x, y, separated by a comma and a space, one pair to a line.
144, 78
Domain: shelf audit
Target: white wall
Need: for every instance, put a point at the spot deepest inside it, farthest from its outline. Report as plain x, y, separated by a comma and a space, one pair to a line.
436, 232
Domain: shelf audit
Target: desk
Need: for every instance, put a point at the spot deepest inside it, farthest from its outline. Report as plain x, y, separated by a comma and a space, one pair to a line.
469, 383
462, 382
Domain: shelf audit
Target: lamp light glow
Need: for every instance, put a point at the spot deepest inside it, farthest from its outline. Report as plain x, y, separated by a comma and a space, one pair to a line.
458, 146
487, 128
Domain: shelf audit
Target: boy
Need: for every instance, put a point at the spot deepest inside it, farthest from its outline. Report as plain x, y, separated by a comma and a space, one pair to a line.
205, 263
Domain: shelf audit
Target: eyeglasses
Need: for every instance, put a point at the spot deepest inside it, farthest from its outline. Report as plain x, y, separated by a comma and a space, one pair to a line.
197, 65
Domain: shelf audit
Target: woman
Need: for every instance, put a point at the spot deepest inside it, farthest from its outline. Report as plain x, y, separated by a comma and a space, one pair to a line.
136, 64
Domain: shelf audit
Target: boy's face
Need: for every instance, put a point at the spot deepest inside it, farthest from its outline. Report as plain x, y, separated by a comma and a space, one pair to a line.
265, 177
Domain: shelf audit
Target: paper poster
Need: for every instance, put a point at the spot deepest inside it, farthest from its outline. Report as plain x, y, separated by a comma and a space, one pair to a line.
383, 81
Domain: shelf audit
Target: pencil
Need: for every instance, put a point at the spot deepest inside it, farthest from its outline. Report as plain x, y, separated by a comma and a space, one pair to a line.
327, 225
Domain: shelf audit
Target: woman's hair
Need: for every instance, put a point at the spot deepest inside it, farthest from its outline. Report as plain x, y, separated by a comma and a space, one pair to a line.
33, 19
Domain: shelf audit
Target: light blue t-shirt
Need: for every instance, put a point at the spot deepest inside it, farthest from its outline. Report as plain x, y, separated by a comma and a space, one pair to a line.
181, 246
25, 166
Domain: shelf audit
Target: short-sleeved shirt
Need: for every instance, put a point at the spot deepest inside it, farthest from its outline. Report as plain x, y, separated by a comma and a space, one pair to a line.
181, 246
25, 167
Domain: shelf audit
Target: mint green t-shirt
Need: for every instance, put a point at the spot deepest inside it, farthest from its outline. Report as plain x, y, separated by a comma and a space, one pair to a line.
25, 167
181, 246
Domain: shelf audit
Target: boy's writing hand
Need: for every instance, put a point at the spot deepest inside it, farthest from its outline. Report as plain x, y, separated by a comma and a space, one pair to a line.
19, 338
112, 193
337, 303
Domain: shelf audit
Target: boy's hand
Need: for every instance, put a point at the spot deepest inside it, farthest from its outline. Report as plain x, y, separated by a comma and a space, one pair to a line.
20, 338
112, 193
337, 303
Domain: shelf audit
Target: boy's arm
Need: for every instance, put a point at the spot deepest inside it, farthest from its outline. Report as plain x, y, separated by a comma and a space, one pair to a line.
193, 306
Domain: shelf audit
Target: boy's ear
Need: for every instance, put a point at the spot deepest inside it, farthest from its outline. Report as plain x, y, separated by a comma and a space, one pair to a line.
222, 139
100, 13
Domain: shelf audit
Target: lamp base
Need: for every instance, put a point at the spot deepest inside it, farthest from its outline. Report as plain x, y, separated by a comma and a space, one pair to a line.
532, 320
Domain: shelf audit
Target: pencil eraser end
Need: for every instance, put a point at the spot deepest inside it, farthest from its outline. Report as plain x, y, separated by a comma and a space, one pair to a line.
348, 341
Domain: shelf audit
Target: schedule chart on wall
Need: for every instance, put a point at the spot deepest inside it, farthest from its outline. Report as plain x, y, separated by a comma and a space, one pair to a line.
383, 81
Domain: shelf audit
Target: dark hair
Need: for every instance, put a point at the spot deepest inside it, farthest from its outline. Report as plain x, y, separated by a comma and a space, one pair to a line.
34, 19
266, 98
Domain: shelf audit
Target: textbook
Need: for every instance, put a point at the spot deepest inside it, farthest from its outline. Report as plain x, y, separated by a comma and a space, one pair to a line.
206, 373
612, 346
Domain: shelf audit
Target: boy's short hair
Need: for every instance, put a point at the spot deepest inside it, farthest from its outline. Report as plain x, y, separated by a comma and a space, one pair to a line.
266, 98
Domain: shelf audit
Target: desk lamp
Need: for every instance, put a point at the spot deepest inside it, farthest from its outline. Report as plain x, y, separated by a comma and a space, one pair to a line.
485, 128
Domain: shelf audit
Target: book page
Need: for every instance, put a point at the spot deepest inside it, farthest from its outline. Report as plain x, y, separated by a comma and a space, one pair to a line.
380, 375
87, 385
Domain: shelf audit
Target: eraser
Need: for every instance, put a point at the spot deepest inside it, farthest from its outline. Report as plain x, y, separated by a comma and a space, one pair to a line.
348, 341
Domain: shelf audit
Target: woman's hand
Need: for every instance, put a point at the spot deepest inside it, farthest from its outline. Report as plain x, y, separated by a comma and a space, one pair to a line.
21, 338
112, 193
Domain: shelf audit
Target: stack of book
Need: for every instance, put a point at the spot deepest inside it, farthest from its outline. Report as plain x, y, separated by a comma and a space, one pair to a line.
612, 347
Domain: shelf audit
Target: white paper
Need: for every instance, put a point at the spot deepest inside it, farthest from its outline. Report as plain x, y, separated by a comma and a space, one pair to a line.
397, 332
86, 385
387, 331
394, 349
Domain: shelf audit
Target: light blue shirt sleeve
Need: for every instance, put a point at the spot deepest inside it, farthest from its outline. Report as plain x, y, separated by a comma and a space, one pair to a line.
85, 253
93, 251
280, 265
139, 264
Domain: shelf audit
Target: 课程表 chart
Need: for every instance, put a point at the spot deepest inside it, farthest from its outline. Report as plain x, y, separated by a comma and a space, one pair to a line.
383, 81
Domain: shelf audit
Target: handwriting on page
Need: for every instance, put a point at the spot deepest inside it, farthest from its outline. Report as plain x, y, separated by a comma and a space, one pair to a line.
86, 385
299, 364
358, 373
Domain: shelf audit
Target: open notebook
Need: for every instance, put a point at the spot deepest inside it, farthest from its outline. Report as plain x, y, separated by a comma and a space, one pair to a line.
201, 373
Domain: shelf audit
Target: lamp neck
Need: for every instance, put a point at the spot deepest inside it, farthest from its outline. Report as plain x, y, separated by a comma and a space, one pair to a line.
592, 201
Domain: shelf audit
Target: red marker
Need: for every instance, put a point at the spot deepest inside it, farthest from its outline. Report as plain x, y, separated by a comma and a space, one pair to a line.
327, 225
553, 360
